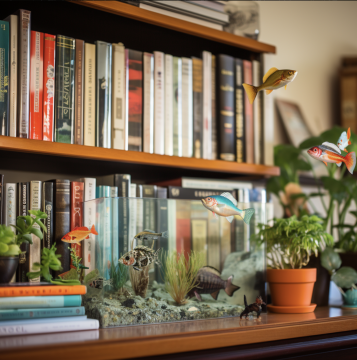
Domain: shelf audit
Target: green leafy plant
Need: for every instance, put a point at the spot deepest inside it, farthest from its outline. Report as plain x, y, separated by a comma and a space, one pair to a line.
8, 245
119, 274
290, 242
77, 263
25, 226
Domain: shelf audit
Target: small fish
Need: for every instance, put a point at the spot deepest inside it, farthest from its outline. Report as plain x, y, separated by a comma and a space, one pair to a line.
140, 257
272, 80
209, 281
344, 140
78, 234
150, 235
226, 205
330, 153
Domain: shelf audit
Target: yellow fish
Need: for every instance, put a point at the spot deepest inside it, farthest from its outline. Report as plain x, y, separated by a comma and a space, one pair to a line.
272, 80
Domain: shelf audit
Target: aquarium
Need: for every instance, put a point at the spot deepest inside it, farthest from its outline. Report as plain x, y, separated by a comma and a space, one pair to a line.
161, 260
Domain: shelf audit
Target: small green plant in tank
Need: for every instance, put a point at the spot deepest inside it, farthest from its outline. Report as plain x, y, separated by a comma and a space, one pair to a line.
180, 273
119, 274
77, 263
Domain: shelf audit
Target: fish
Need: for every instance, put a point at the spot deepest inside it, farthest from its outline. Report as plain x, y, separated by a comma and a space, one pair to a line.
272, 80
140, 257
208, 281
330, 153
226, 205
344, 140
78, 234
150, 235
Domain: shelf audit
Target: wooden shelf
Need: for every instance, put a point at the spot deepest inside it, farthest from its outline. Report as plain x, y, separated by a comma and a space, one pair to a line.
133, 12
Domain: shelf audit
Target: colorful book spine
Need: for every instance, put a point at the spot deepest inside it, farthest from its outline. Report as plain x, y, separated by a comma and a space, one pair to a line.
197, 107
78, 91
183, 229
102, 191
4, 77
177, 105
213, 110
187, 108
23, 73
207, 104
89, 95
2, 198
159, 104
239, 99
148, 103
49, 86
38, 296
257, 118
47, 207
168, 105
123, 182
226, 115
64, 93
10, 205
36, 85
135, 99
248, 114
13, 27
119, 124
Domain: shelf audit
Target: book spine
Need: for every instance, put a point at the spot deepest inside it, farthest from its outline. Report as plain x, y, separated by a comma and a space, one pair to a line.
257, 118
240, 136
248, 115
159, 104
133, 213
89, 95
119, 124
139, 209
36, 85
10, 205
4, 77
48, 86
39, 296
148, 102
47, 207
23, 74
348, 84
177, 105
187, 108
2, 198
183, 229
41, 313
213, 109
177, 192
149, 191
103, 94
197, 107
207, 105
78, 90
168, 104
225, 96
35, 204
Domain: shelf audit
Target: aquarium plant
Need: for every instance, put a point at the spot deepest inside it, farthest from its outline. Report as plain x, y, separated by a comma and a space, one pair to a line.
77, 263
119, 274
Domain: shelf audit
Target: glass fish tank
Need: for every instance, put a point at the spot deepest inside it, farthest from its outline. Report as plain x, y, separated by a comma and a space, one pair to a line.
163, 260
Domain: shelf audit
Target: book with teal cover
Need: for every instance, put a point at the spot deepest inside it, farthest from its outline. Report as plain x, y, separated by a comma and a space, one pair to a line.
102, 191
16, 314
64, 94
4, 77
31, 302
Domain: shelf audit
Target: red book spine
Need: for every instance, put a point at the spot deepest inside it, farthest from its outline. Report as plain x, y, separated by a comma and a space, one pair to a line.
183, 237
36, 85
49, 56
76, 213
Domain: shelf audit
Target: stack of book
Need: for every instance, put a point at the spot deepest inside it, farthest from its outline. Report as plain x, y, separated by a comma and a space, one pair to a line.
26, 308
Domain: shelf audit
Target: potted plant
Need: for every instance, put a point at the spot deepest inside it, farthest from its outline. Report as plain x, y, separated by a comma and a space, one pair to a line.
290, 242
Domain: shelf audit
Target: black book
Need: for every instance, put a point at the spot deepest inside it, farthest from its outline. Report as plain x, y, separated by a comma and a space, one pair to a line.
47, 207
177, 192
225, 107
2, 199
240, 128
149, 191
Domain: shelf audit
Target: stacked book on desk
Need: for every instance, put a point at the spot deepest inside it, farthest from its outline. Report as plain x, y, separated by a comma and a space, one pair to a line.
27, 308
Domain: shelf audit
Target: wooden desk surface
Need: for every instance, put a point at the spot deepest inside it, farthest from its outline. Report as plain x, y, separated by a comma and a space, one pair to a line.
150, 340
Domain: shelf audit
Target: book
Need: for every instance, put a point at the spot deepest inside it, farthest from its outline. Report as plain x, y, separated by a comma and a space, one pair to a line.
2, 198
248, 114
214, 5
135, 99
89, 110
113, 191
23, 314
49, 56
187, 108
48, 208
78, 92
197, 107
257, 118
102, 191
10, 205
225, 107
183, 228
149, 206
64, 89
207, 105
103, 94
119, 123
77, 189
37, 326
161, 226
199, 235
348, 86
164, 99
133, 212
160, 122
239, 99
4, 77
148, 103
177, 192
23, 73
177, 105
13, 47
213, 241
36, 85
139, 209
213, 111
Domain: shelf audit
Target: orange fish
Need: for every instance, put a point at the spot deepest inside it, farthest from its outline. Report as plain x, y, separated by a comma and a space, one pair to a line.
78, 234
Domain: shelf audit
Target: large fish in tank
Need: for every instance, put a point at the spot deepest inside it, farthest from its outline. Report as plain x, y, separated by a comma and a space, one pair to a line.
140, 257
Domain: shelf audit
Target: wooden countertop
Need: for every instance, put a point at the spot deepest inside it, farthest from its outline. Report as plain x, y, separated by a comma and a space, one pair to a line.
148, 340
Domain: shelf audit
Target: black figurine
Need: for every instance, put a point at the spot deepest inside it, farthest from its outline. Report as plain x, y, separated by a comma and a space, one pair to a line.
257, 307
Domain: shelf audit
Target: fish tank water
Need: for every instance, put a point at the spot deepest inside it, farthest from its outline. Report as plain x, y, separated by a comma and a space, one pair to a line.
164, 260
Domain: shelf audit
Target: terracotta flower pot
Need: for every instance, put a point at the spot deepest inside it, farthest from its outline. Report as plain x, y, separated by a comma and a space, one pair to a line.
291, 290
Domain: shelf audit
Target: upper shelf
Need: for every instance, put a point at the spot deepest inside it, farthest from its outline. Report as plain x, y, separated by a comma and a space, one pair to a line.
133, 12
132, 157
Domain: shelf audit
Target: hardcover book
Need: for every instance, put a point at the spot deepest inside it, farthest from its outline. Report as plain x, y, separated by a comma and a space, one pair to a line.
257, 118
207, 104
78, 91
159, 104
4, 77
240, 133
213, 114
47, 207
197, 108
177, 105
167, 99
42, 294
177, 192
10, 205
149, 206
148, 102
248, 114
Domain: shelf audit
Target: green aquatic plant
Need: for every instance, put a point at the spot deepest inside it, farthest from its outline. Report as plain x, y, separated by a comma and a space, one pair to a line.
119, 274
76, 261
180, 271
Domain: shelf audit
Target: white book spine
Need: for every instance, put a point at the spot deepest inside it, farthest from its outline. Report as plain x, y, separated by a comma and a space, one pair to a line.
119, 124
133, 213
257, 114
89, 95
177, 96
187, 108
159, 105
194, 183
148, 111
207, 104
10, 212
169, 131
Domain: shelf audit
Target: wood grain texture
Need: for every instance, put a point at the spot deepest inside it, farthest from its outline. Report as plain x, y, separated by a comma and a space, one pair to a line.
133, 12
134, 157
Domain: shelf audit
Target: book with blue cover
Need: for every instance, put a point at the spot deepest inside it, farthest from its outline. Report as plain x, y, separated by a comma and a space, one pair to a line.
33, 313
29, 302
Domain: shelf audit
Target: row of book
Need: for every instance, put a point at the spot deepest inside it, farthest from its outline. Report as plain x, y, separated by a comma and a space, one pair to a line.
65, 90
